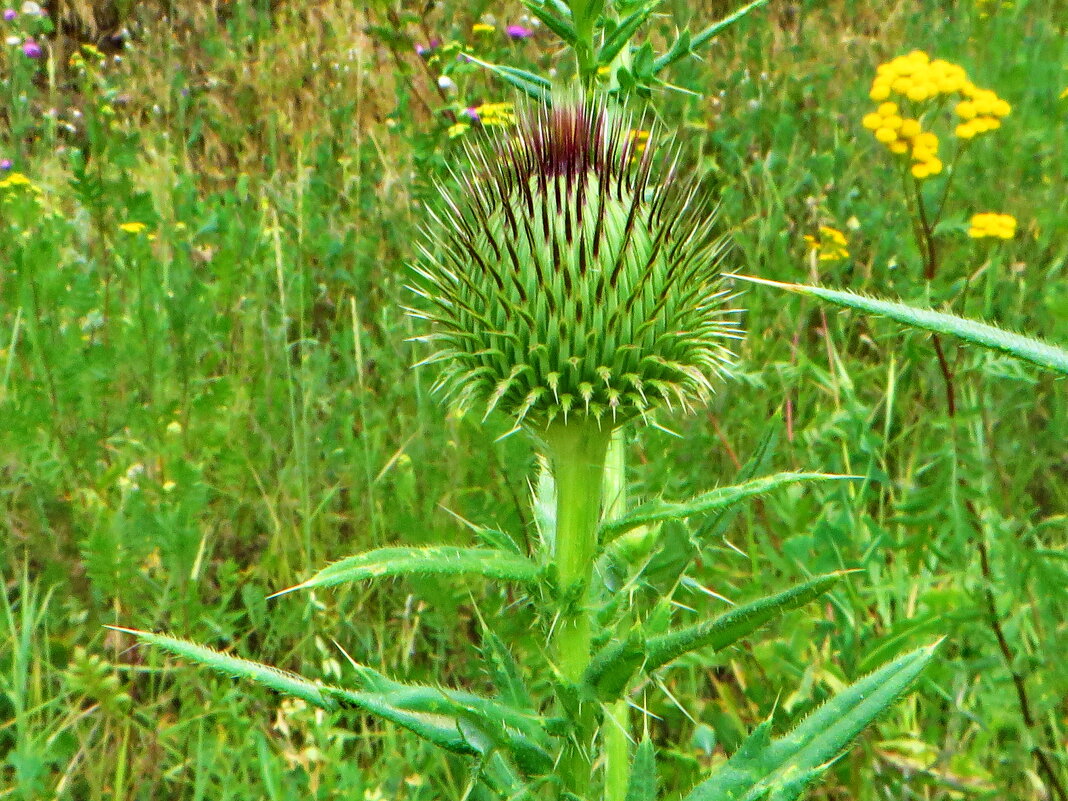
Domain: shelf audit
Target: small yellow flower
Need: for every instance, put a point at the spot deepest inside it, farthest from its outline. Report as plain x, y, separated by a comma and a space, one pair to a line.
872, 121
482, 27
965, 131
458, 129
830, 245
133, 227
888, 109
909, 129
992, 224
965, 109
881, 91
920, 170
899, 147
885, 135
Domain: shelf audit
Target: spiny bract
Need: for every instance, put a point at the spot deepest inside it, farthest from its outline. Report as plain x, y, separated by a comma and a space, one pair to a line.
569, 279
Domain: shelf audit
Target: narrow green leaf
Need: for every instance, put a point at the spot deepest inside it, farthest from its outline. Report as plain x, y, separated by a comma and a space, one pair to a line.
484, 720
442, 560
758, 462
735, 624
626, 29
643, 773
1042, 354
705, 36
764, 769
505, 672
659, 510
278, 680
611, 669
527, 82
559, 23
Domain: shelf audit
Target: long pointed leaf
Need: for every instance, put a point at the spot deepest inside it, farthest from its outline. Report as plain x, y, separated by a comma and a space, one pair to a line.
527, 82
624, 31
443, 560
659, 510
1042, 354
643, 773
764, 769
702, 38
735, 624
278, 680
559, 23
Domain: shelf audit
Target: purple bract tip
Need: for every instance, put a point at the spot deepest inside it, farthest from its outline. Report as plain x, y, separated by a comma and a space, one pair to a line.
31, 49
6, 164
471, 113
518, 32
9, 14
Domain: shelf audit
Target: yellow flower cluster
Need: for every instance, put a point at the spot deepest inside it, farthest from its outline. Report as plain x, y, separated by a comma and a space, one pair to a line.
482, 27
982, 111
916, 79
19, 181
830, 244
904, 135
992, 224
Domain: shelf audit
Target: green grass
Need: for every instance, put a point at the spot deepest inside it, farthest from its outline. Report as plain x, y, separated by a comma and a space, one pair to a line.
191, 422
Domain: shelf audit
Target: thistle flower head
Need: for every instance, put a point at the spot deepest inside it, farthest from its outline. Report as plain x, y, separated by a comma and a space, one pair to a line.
570, 277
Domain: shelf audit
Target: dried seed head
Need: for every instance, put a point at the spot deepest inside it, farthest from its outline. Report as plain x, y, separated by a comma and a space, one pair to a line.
569, 278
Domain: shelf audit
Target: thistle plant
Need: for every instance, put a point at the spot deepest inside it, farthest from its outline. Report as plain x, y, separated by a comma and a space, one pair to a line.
572, 282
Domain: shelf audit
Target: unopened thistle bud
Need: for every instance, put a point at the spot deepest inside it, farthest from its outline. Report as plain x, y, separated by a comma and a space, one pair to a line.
570, 278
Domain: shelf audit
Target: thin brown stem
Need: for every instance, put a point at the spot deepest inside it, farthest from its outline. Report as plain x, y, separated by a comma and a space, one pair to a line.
1039, 754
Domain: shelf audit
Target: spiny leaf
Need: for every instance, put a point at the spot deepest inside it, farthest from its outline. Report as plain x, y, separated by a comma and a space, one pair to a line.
1042, 354
624, 31
701, 39
484, 722
505, 672
732, 626
659, 510
559, 22
779, 770
527, 82
277, 680
643, 773
611, 669
441, 560
717, 523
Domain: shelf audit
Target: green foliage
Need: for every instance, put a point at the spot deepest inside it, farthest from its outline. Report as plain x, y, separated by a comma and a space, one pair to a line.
781, 769
441, 560
197, 413
1040, 353
718, 499
643, 783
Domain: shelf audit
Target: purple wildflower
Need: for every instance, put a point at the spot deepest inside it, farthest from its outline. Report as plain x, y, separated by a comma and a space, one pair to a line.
518, 32
471, 113
6, 164
31, 49
427, 49
9, 14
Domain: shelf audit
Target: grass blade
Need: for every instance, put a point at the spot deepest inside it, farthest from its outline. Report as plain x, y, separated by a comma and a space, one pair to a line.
1035, 351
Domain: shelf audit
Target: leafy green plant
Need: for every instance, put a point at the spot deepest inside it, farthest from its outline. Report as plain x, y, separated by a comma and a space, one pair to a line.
573, 284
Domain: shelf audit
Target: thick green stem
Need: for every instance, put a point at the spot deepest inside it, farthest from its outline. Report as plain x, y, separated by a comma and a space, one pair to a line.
616, 735
578, 455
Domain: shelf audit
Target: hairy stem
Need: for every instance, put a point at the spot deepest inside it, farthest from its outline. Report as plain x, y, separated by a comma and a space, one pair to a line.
578, 453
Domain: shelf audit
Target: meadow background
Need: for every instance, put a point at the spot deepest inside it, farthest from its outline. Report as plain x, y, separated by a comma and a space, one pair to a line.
206, 393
